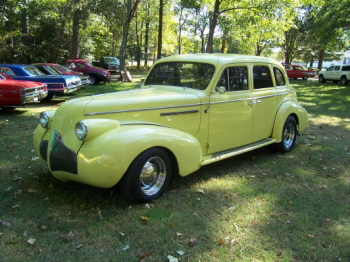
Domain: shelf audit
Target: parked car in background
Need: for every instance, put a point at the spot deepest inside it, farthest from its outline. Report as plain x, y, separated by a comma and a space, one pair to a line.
56, 85
297, 71
96, 74
192, 110
56, 69
109, 63
335, 73
16, 93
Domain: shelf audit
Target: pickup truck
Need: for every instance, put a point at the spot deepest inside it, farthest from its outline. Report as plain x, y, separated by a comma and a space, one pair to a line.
109, 63
335, 73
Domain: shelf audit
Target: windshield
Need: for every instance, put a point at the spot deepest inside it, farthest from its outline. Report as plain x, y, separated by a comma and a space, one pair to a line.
184, 74
33, 71
52, 70
64, 68
112, 60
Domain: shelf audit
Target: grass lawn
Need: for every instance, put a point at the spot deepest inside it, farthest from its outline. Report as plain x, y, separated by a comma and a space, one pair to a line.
258, 206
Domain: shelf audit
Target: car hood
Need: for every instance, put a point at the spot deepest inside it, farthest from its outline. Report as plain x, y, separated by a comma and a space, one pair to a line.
141, 100
167, 107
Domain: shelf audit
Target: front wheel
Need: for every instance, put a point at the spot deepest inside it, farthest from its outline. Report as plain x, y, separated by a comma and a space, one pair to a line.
94, 80
147, 177
321, 79
289, 135
305, 77
344, 80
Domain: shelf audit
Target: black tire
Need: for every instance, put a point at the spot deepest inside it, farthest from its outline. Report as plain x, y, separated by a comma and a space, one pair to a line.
305, 77
147, 177
344, 80
289, 135
321, 79
49, 97
94, 80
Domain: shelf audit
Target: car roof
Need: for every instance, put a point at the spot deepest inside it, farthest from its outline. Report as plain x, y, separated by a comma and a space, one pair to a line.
218, 58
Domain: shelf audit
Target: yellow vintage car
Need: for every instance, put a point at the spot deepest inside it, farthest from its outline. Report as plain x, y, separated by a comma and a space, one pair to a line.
191, 110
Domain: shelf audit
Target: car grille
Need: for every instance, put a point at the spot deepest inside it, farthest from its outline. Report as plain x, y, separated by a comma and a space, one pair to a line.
61, 157
43, 149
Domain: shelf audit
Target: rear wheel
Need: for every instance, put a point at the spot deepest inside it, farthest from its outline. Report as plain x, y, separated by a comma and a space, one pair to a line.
305, 77
344, 80
94, 80
147, 177
289, 135
321, 79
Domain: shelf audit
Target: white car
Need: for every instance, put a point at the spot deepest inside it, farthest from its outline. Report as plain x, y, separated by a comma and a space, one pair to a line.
335, 73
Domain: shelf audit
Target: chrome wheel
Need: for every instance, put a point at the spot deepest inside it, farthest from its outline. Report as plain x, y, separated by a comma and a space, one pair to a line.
152, 176
147, 177
289, 134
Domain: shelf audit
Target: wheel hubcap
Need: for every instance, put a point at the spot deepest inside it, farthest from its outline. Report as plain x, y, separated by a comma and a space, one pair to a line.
152, 176
289, 135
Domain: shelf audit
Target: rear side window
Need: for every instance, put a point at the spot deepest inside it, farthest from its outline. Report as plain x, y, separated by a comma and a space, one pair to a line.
280, 81
262, 77
346, 68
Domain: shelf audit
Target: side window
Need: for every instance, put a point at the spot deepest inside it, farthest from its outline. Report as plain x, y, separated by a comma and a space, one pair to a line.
330, 68
234, 78
336, 68
80, 65
237, 78
279, 77
346, 68
262, 77
71, 65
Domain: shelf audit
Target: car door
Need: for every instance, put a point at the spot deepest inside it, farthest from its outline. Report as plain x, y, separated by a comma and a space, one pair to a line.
264, 101
230, 112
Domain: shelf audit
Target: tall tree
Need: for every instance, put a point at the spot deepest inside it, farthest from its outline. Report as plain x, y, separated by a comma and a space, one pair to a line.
131, 7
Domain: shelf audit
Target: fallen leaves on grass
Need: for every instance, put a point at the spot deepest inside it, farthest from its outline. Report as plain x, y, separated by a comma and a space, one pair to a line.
145, 218
172, 259
31, 241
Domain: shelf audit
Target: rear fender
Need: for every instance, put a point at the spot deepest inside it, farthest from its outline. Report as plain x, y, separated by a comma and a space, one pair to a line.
286, 109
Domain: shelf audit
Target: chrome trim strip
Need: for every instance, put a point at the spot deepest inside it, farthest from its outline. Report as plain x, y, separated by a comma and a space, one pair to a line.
179, 113
229, 101
140, 109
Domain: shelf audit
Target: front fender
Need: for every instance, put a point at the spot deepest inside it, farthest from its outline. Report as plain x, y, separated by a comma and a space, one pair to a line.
109, 155
286, 109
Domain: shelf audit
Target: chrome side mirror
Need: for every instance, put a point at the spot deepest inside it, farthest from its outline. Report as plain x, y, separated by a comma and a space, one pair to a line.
220, 89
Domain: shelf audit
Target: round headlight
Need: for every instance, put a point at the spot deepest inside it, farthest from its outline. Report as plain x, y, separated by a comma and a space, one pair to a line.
44, 119
81, 130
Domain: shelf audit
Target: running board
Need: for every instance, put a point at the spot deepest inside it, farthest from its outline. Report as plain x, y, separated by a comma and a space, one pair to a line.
208, 159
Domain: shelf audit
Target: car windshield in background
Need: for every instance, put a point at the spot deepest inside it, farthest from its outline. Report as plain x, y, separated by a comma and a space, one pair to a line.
33, 71
52, 70
64, 68
111, 60
184, 74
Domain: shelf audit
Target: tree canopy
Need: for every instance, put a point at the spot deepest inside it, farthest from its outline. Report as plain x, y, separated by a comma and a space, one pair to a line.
55, 30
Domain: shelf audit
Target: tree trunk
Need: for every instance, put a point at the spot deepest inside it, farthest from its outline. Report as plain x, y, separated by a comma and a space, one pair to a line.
25, 31
212, 26
75, 36
131, 9
146, 44
320, 59
160, 29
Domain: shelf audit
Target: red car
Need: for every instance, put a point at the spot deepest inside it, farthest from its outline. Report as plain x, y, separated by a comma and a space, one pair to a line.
56, 69
297, 71
15, 93
96, 74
